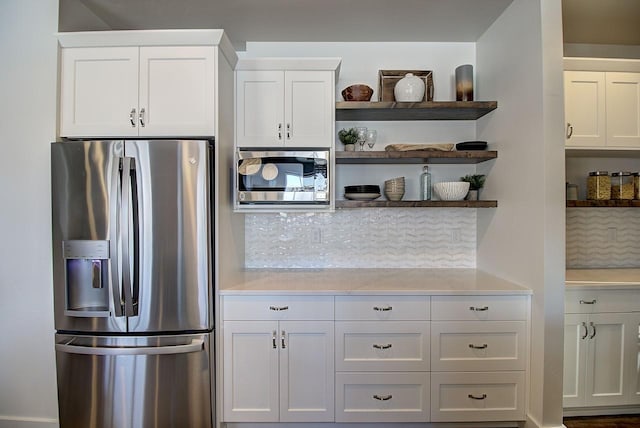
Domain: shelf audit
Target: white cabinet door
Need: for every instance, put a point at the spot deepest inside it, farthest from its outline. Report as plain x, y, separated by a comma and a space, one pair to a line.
309, 108
612, 359
250, 377
259, 108
306, 371
177, 91
623, 109
584, 99
284, 108
99, 92
575, 341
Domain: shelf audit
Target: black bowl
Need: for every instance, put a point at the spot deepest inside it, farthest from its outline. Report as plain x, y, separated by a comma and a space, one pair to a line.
362, 188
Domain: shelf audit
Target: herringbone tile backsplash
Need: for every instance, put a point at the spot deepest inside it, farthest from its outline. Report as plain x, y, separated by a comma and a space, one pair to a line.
603, 238
364, 238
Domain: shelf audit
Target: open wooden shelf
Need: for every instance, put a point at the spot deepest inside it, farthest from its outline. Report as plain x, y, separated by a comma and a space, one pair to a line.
415, 156
432, 110
416, 204
625, 203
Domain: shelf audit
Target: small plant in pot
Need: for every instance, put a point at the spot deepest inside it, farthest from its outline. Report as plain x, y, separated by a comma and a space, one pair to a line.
348, 137
476, 182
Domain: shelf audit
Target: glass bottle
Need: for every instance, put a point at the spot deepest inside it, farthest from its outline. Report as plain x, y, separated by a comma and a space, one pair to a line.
425, 184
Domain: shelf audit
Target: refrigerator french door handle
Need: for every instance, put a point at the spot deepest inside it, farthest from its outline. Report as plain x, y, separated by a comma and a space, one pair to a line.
196, 345
125, 218
114, 254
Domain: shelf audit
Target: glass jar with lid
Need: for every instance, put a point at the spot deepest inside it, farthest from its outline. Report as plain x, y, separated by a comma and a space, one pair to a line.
599, 186
636, 185
621, 185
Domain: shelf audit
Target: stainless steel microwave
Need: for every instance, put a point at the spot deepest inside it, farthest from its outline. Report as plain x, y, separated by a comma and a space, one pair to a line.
283, 177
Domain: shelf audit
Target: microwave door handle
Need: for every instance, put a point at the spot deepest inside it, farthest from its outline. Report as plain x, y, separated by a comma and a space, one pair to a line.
125, 223
114, 237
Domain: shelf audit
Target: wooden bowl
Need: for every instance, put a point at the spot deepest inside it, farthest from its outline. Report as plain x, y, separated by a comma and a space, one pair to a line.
357, 93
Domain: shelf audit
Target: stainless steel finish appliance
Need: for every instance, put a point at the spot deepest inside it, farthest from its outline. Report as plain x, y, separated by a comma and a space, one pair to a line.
132, 262
285, 177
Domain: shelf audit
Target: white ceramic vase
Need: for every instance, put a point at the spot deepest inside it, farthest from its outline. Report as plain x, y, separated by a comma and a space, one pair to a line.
409, 89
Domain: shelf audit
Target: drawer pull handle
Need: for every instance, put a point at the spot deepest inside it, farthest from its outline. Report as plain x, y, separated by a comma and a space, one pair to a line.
483, 346
385, 309
482, 309
588, 302
473, 397
586, 331
383, 397
279, 308
593, 326
387, 346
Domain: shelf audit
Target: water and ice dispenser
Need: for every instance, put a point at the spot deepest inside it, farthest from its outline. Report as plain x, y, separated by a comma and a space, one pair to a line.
86, 277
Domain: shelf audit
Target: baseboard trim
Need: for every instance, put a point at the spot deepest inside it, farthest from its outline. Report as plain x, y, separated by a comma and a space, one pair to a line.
601, 411
25, 422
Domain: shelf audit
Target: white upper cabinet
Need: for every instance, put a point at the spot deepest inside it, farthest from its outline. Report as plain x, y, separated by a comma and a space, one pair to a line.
584, 94
285, 103
623, 109
140, 83
130, 91
602, 109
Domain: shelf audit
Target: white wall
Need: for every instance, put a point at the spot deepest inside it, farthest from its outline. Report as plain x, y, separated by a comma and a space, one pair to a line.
27, 125
520, 63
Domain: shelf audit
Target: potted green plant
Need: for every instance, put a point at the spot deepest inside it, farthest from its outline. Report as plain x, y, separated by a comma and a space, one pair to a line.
476, 182
348, 137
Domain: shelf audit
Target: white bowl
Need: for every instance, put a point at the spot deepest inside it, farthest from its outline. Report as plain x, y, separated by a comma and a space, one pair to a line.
451, 190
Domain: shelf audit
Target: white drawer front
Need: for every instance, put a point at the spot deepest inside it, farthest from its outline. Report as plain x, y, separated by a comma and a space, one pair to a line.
478, 346
382, 397
595, 301
373, 308
240, 308
477, 397
382, 346
489, 308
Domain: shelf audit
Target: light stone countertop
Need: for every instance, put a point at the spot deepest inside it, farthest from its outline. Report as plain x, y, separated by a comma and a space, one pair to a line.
602, 278
371, 281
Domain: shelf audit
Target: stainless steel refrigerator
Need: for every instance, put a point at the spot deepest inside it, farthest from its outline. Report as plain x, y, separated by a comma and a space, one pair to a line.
133, 288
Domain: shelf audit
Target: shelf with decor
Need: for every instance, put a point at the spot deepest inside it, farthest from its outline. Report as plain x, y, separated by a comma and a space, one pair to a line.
415, 157
416, 204
623, 203
430, 110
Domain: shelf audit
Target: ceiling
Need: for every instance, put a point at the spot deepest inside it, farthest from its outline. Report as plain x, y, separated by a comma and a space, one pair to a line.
584, 21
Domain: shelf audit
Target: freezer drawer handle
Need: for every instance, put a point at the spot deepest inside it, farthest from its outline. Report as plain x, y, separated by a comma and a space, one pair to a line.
196, 345
482, 397
279, 308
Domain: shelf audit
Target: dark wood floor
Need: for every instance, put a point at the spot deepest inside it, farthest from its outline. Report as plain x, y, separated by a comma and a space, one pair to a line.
622, 421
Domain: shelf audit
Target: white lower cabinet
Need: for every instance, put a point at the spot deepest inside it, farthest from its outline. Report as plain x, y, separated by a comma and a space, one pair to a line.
601, 364
278, 371
477, 396
382, 397
384, 359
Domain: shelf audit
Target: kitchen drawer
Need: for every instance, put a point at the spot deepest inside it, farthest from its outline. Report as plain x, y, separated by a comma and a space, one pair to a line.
373, 308
382, 397
477, 397
382, 345
489, 308
597, 301
478, 346
240, 308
